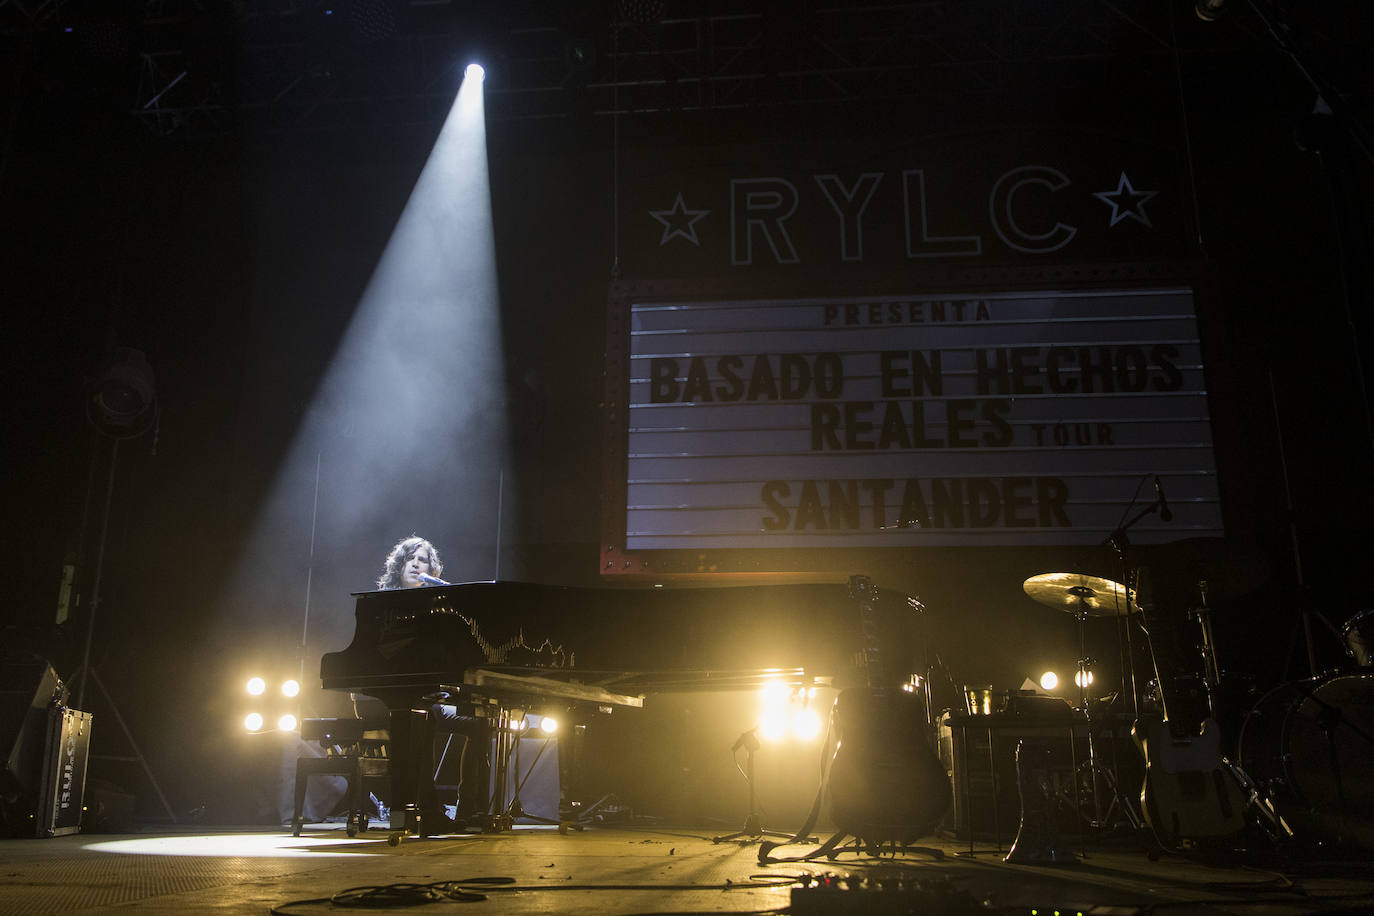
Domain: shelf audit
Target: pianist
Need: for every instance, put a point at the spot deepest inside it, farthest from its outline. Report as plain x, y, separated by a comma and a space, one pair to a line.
410, 558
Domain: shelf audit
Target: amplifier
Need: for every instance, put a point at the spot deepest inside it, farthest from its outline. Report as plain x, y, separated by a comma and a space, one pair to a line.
980, 753
63, 784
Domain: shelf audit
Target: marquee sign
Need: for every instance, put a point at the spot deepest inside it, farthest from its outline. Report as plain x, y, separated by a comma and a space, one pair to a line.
1015, 417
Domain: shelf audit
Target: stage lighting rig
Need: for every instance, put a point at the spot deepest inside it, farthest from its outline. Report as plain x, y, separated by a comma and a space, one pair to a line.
1208, 10
122, 399
287, 719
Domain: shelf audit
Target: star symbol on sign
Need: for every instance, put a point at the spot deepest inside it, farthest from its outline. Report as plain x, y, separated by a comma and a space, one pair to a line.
679, 221
1126, 201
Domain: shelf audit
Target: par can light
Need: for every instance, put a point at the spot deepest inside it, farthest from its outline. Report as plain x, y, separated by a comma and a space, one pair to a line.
290, 687
806, 724
252, 722
256, 686
772, 725
1049, 680
287, 723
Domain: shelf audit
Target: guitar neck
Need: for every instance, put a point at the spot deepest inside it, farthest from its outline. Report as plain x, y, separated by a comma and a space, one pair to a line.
1166, 619
871, 660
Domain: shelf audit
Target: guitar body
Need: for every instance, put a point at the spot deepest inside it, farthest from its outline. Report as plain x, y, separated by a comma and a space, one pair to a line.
1190, 790
884, 782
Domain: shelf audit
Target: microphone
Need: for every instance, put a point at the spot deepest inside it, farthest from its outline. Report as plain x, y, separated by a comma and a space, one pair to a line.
1164, 514
431, 580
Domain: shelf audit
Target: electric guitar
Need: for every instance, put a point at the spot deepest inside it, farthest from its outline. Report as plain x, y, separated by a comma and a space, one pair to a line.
1191, 790
884, 782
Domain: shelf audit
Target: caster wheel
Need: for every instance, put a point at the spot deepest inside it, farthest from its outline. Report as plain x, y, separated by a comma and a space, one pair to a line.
351, 825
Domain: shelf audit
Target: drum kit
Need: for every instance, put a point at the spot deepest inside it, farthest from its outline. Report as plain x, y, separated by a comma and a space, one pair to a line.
1303, 753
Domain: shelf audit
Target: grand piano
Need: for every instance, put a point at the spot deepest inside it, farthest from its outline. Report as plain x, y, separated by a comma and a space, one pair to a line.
491, 646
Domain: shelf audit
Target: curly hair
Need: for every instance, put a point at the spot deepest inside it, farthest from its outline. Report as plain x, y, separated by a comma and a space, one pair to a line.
400, 555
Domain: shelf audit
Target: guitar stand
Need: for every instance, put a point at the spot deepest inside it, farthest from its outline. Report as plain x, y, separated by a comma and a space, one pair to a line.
832, 848
753, 822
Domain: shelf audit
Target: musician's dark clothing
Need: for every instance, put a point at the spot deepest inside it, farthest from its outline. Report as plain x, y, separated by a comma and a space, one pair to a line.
470, 735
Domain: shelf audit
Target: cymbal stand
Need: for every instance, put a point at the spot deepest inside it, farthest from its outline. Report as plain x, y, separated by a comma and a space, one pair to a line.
1211, 669
1084, 665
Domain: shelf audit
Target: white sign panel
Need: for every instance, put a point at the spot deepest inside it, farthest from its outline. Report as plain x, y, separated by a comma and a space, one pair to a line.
1013, 418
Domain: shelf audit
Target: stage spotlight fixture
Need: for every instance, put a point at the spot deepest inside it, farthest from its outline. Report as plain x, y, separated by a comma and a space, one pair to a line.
548, 725
772, 725
287, 723
1049, 680
1083, 678
806, 724
475, 71
252, 722
774, 694
290, 687
122, 400
1208, 10
256, 686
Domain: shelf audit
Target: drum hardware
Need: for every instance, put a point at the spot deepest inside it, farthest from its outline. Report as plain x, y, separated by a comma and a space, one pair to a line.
1081, 595
1358, 636
1086, 596
1211, 672
1309, 744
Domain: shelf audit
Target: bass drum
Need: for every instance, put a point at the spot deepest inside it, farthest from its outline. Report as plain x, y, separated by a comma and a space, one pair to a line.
1309, 744
1358, 636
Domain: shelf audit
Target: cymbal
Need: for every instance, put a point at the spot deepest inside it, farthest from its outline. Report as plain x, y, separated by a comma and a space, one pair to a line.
1081, 594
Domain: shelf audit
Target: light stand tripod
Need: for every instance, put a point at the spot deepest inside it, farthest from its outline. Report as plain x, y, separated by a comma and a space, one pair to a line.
514, 809
122, 405
753, 823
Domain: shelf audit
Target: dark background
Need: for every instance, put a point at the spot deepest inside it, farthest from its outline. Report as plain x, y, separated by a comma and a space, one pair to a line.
226, 223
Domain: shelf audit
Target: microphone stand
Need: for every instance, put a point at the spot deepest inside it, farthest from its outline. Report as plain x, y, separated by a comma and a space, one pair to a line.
753, 821
1121, 544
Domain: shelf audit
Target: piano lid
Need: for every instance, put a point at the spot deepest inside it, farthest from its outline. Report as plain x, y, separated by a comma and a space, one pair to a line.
448, 630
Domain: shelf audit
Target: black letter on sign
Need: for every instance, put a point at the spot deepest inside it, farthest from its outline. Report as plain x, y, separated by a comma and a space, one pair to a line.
662, 380
825, 419
773, 491
733, 389
796, 376
1052, 494
698, 382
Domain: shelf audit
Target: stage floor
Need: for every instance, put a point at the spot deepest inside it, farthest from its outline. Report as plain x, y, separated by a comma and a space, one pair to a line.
610, 870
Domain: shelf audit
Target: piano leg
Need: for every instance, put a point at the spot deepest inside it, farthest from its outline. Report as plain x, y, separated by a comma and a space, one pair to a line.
410, 738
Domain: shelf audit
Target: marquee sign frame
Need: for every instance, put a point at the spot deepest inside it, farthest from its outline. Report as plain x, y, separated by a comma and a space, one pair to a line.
750, 431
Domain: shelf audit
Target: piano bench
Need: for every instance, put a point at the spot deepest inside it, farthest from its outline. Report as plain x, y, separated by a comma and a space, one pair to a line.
356, 769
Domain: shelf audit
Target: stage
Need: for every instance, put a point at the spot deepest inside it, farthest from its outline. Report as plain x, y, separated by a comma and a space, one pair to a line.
622, 869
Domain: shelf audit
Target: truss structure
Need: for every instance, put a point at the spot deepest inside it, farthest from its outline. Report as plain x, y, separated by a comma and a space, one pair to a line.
210, 66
